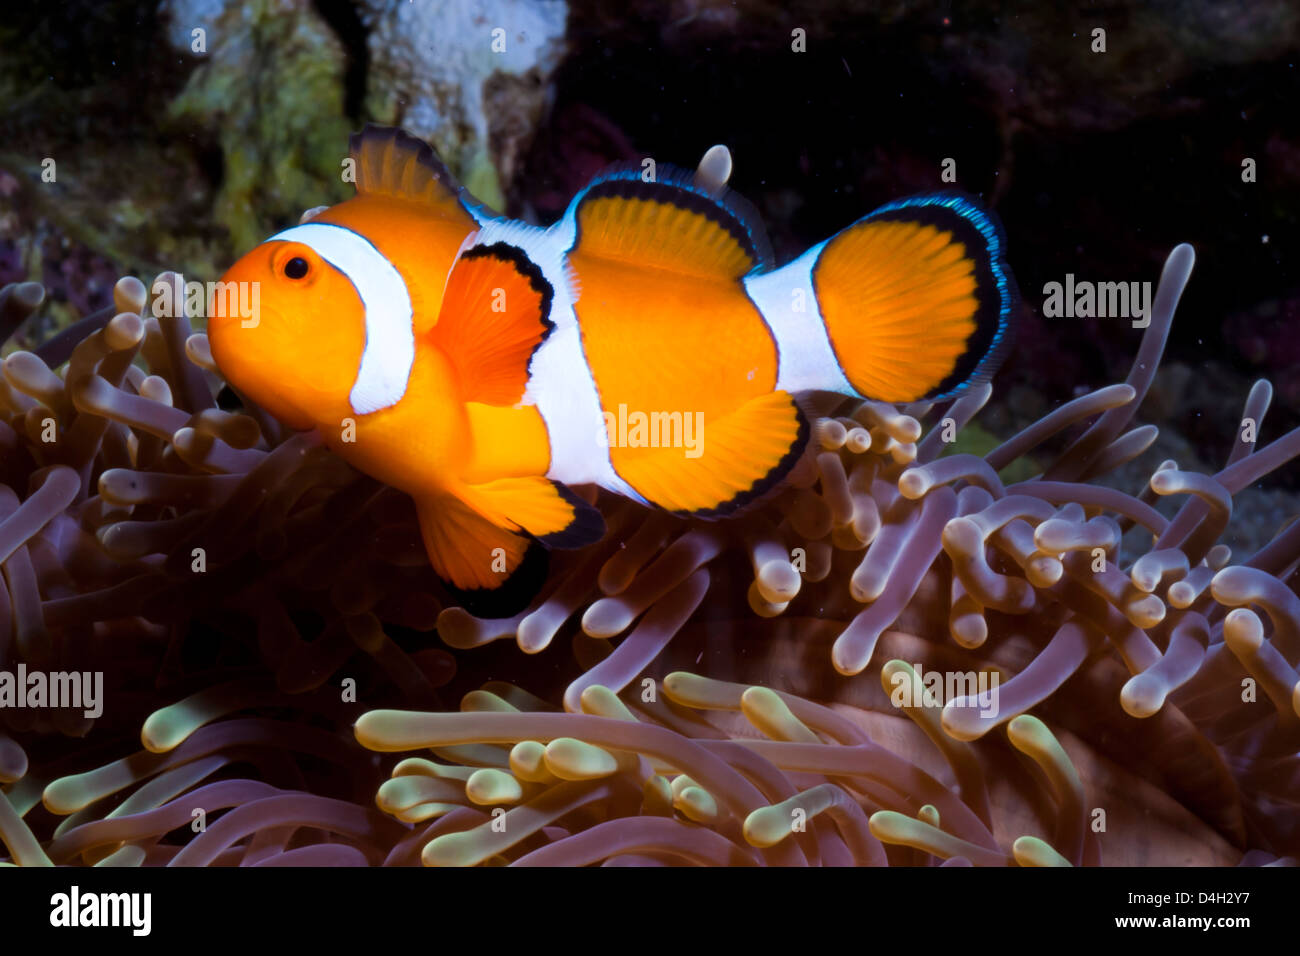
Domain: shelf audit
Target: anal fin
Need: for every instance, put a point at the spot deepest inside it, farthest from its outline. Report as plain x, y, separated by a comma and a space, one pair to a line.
741, 457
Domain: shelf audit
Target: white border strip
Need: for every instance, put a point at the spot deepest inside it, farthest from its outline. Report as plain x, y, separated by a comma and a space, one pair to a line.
806, 359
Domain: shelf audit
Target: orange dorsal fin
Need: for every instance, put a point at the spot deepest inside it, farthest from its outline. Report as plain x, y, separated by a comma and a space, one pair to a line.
391, 162
676, 224
495, 313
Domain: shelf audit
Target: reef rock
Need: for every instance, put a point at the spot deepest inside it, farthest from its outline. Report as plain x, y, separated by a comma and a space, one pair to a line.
468, 77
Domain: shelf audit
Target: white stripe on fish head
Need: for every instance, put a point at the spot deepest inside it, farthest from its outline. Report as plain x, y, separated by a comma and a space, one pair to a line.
389, 351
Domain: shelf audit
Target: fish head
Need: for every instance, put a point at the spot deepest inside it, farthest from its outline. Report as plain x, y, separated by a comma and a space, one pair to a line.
287, 329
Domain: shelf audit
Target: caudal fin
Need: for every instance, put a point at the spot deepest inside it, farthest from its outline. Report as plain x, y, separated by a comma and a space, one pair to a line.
912, 301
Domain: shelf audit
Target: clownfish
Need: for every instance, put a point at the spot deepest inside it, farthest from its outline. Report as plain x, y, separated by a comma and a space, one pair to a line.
486, 365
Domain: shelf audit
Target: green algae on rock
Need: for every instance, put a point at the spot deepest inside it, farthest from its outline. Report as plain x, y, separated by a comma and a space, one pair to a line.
269, 88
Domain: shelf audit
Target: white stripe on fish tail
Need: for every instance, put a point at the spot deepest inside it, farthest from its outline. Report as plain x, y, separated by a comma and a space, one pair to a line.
788, 303
389, 353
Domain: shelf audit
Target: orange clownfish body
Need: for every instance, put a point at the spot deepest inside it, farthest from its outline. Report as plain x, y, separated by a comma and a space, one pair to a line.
644, 343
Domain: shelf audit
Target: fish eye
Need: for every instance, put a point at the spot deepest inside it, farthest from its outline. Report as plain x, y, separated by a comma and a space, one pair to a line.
296, 267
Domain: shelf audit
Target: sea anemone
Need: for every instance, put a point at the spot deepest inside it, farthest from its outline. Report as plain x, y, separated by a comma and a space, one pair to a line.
753, 692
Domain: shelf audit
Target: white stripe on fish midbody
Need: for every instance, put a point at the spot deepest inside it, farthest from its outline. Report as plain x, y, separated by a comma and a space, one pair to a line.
560, 383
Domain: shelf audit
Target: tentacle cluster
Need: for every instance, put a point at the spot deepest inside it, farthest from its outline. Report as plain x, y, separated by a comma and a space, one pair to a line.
756, 692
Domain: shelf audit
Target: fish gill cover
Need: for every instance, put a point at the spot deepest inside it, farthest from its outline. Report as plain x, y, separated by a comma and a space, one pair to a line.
932, 646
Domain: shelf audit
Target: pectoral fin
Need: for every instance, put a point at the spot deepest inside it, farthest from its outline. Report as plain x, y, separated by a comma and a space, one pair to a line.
495, 314
492, 572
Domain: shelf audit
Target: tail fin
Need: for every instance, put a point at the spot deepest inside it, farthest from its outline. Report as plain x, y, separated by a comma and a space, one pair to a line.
912, 301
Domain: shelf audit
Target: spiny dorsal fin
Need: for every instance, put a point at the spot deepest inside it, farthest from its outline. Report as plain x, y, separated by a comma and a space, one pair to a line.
392, 162
496, 311
680, 222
